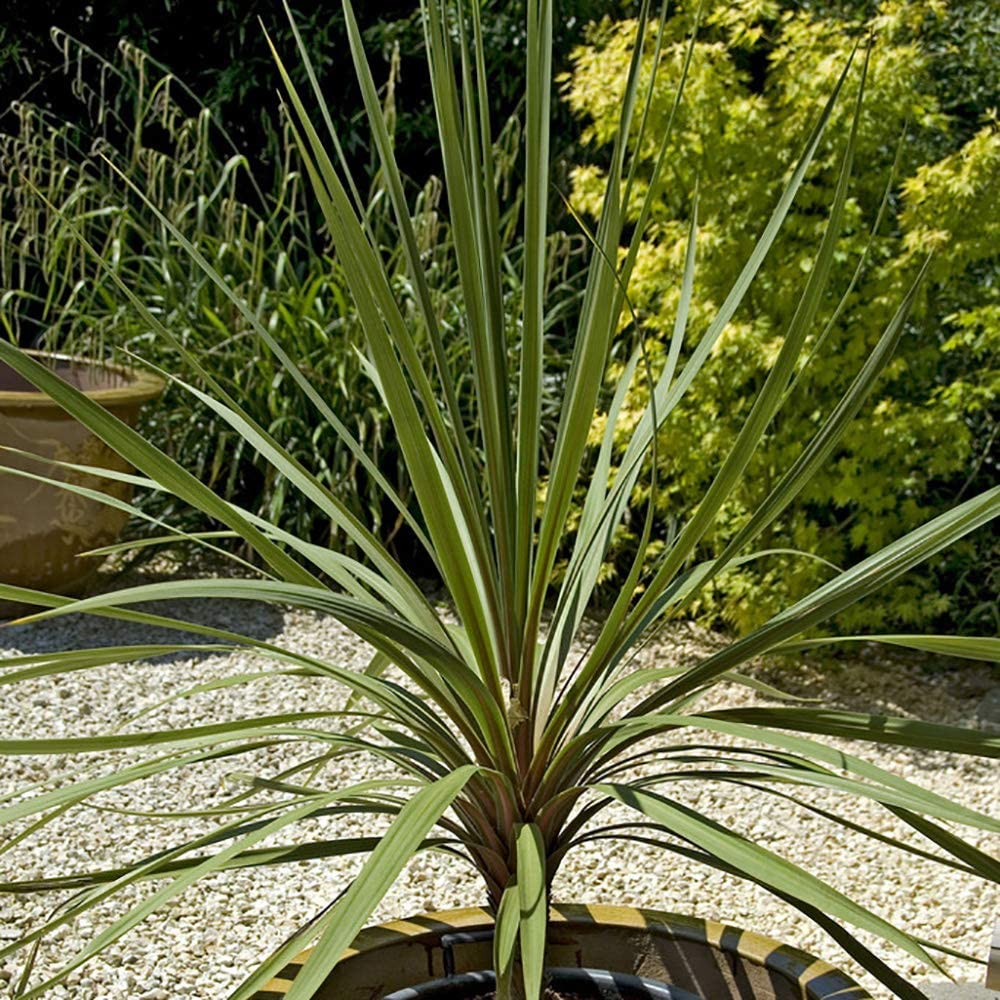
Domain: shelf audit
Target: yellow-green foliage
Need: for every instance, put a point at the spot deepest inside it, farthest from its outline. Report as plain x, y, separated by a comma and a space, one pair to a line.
759, 77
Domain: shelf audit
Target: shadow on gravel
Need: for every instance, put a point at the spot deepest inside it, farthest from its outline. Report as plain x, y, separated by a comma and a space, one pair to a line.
249, 618
885, 681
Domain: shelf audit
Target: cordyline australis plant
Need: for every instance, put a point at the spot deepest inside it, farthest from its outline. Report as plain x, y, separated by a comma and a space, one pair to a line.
511, 742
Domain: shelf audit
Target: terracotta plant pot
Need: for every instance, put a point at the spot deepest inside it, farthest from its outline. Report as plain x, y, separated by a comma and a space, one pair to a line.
43, 529
710, 960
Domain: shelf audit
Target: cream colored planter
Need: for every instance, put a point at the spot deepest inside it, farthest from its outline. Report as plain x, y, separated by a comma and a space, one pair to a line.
713, 960
43, 529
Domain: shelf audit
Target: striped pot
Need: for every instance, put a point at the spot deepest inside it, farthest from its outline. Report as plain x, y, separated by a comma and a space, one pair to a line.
709, 959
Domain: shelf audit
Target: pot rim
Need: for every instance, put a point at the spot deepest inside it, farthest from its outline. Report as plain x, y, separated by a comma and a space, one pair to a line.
142, 385
815, 976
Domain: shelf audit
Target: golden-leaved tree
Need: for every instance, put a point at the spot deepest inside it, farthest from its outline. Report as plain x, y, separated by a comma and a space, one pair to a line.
928, 181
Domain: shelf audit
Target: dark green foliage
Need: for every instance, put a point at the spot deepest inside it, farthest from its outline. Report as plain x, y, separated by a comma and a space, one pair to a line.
218, 50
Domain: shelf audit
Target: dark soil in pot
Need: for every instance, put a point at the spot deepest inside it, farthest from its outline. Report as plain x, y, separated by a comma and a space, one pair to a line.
549, 995
566, 984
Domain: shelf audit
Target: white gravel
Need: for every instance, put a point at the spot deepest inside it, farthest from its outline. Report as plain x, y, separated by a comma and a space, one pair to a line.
200, 945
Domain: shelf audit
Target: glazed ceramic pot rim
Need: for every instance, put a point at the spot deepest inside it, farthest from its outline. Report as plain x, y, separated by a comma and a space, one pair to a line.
142, 386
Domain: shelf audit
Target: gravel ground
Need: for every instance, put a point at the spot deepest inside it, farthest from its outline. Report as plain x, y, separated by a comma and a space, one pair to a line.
198, 947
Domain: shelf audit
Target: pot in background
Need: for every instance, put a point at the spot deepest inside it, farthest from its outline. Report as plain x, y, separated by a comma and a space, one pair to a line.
710, 960
43, 529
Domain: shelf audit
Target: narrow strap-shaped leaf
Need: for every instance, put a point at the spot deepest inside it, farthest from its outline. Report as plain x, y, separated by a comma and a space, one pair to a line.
353, 575
863, 956
597, 325
505, 935
402, 703
152, 903
95, 887
376, 667
415, 269
97, 471
80, 790
45, 664
582, 574
406, 595
116, 503
890, 184
476, 254
984, 870
983, 864
631, 732
475, 237
585, 561
58, 602
228, 681
348, 916
869, 728
589, 685
668, 393
671, 394
533, 897
656, 172
590, 515
386, 632
330, 503
152, 541
307, 63
771, 395
391, 696
282, 854
829, 435
848, 941
529, 398
611, 696
283, 954
354, 613
173, 860
456, 529
118, 741
89, 896
971, 647
807, 774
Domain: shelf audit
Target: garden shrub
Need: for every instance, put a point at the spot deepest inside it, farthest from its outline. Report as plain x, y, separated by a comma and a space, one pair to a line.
63, 180
59, 182
759, 76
